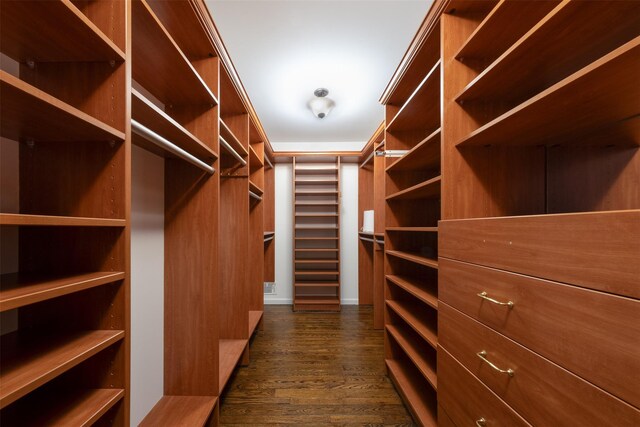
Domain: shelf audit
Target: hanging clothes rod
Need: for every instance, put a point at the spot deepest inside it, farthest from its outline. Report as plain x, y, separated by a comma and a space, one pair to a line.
268, 238
266, 159
391, 153
381, 242
233, 152
254, 195
366, 239
165, 144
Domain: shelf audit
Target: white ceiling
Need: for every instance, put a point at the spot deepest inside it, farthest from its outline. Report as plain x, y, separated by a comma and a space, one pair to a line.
283, 50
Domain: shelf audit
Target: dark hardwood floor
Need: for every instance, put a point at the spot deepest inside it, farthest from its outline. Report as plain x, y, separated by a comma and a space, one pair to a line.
314, 369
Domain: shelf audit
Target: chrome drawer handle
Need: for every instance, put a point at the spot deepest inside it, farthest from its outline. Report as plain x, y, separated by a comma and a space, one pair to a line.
481, 422
483, 295
483, 356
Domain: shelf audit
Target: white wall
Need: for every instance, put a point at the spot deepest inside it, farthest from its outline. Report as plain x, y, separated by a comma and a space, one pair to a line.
284, 235
147, 282
349, 234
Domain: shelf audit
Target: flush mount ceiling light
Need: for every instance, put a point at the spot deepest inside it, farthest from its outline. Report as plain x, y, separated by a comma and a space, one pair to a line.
321, 105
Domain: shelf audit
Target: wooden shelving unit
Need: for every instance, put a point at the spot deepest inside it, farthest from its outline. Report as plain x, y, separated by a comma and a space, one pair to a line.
412, 182
64, 268
256, 228
316, 194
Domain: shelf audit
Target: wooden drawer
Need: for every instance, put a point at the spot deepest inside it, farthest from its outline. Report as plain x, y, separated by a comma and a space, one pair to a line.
598, 250
561, 398
594, 335
466, 400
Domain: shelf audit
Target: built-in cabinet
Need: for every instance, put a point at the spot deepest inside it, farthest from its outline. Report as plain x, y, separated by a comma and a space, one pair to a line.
521, 267
155, 74
316, 232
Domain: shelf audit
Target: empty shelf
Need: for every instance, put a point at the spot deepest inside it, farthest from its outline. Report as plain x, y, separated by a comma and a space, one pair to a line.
412, 286
422, 327
413, 229
59, 221
230, 353
254, 159
425, 155
182, 411
19, 289
317, 261
423, 408
316, 284
425, 190
30, 113
418, 357
31, 361
317, 300
316, 273
414, 257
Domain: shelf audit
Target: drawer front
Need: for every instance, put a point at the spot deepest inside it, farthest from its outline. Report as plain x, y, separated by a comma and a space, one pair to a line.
542, 392
592, 334
467, 401
595, 250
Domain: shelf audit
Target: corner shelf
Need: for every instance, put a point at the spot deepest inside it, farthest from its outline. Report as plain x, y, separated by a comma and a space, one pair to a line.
157, 56
607, 86
48, 43
30, 113
149, 115
28, 366
20, 289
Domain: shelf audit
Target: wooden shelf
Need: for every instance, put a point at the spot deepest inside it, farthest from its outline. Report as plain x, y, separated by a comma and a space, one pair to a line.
425, 155
157, 56
230, 353
426, 331
49, 43
602, 93
557, 51
317, 227
317, 261
298, 203
316, 181
20, 289
424, 410
316, 215
317, 250
412, 286
417, 356
316, 169
180, 411
254, 188
254, 159
425, 190
82, 407
413, 257
149, 115
58, 221
232, 140
316, 284
269, 233
254, 319
29, 113
422, 109
316, 273
30, 363
316, 238
413, 229
316, 192
505, 24
317, 300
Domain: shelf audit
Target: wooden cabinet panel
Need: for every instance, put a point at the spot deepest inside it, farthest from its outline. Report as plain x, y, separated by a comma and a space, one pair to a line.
562, 399
596, 250
592, 334
467, 401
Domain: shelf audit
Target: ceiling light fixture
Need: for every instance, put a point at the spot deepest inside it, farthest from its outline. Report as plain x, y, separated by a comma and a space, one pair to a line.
321, 105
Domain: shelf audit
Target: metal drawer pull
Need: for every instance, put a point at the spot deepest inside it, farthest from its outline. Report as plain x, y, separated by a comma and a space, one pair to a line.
481, 422
483, 295
483, 356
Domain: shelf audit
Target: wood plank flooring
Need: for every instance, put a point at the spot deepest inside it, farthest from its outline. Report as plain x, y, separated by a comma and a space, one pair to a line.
314, 369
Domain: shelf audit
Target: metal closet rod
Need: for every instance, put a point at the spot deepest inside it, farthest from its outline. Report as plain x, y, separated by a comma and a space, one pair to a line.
233, 152
366, 239
165, 144
269, 238
391, 153
254, 195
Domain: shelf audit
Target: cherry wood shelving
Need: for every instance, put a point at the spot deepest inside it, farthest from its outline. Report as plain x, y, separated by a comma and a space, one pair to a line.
64, 267
316, 263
